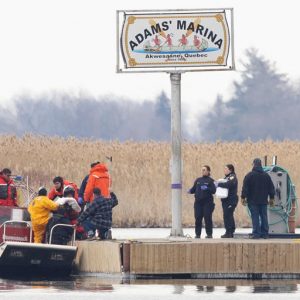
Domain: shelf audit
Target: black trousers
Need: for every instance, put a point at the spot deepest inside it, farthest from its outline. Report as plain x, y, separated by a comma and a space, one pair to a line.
203, 211
228, 211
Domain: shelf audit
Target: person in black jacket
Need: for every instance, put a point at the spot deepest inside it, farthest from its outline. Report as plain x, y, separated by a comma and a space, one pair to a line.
257, 187
229, 204
61, 235
204, 188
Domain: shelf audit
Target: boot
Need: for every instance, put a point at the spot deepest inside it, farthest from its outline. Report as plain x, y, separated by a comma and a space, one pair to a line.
109, 235
227, 235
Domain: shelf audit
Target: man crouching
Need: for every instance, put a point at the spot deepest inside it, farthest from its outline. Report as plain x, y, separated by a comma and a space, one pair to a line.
98, 216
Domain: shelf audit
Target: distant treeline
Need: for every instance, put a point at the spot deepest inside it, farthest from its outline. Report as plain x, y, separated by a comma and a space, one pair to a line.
264, 105
108, 118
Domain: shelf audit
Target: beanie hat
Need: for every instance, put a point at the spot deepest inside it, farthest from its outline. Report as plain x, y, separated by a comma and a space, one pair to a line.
257, 162
42, 191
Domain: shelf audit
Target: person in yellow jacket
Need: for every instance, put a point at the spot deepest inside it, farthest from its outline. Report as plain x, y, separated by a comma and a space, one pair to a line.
39, 210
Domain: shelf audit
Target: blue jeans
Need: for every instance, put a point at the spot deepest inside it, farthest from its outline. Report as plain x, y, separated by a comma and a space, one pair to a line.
259, 216
89, 226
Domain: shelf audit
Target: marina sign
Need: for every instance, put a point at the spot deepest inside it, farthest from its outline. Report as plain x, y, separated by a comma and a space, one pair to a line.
175, 40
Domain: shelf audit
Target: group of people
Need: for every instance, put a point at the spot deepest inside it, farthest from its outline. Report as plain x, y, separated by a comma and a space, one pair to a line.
257, 192
88, 209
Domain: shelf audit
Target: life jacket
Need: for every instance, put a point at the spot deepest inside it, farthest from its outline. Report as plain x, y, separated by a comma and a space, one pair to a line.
98, 178
59, 193
8, 192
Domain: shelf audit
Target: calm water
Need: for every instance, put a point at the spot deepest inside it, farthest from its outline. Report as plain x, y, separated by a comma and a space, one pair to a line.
114, 287
117, 288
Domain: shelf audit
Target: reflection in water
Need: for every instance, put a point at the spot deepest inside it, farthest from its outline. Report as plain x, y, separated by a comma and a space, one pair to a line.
280, 288
230, 289
178, 287
207, 289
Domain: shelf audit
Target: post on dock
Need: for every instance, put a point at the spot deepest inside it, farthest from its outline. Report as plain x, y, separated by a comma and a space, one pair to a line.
176, 167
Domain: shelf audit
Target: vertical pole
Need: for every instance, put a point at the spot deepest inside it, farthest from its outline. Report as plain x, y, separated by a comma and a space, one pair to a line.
176, 154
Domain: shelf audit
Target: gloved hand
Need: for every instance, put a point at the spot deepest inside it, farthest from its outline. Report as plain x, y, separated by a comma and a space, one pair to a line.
272, 202
80, 201
244, 201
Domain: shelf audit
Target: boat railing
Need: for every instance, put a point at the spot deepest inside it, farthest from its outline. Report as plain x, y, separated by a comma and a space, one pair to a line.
4, 225
64, 225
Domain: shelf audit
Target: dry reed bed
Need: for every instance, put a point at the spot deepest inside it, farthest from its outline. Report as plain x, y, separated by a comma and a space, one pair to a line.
140, 171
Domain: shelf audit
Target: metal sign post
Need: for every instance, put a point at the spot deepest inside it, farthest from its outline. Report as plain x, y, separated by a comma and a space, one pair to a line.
176, 172
175, 41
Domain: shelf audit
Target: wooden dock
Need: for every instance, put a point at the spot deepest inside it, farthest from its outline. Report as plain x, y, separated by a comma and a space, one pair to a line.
190, 258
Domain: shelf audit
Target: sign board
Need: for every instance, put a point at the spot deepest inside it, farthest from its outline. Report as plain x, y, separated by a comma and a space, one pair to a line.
187, 40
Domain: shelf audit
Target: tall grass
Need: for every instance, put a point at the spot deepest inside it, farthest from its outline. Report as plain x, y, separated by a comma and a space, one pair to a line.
140, 171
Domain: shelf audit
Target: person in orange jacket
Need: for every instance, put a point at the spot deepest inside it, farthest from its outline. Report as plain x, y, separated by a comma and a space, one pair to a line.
58, 189
8, 191
98, 178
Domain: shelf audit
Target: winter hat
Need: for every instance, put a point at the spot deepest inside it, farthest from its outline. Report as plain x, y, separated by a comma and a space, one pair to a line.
257, 162
69, 191
95, 164
42, 191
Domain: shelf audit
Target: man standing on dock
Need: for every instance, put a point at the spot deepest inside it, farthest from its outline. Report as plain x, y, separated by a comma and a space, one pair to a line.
257, 187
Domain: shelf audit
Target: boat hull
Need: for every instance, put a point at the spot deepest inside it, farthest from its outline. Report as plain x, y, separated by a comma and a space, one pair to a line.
17, 258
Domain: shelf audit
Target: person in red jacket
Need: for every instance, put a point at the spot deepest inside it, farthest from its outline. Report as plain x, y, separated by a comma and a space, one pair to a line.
98, 178
58, 189
8, 191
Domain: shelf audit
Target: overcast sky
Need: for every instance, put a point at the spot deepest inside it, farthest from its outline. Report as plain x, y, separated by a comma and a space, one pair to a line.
70, 46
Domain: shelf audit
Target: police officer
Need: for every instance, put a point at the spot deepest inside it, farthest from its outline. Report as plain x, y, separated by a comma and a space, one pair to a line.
229, 204
204, 188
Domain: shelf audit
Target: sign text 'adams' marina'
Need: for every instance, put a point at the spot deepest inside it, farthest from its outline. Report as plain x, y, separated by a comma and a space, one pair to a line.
191, 39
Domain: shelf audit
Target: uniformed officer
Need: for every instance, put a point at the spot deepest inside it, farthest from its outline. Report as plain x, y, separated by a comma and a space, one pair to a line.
229, 204
204, 188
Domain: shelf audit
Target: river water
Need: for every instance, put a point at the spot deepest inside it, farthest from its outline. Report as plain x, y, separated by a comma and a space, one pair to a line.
99, 286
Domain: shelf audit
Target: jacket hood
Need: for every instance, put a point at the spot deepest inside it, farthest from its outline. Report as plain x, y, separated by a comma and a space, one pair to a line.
10, 181
101, 168
258, 169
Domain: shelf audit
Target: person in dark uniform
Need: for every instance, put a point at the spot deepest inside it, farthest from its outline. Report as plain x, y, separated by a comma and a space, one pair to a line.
204, 205
257, 188
229, 204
